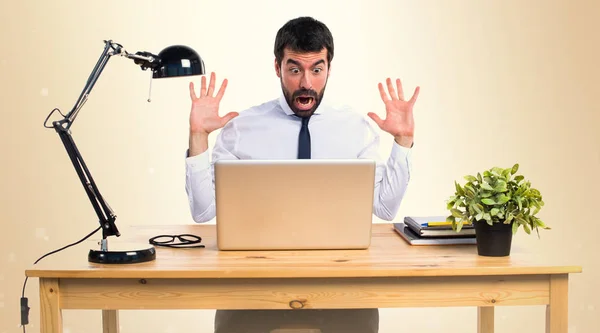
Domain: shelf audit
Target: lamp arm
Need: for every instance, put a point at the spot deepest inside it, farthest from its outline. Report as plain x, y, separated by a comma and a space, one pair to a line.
144, 59
106, 216
110, 49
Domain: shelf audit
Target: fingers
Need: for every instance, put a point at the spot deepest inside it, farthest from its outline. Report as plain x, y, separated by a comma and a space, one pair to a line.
211, 85
384, 96
207, 92
226, 118
396, 96
393, 95
203, 87
391, 89
193, 95
413, 99
376, 119
222, 90
400, 90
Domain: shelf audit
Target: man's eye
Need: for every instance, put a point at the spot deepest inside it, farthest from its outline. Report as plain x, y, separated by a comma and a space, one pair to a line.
317, 70
295, 70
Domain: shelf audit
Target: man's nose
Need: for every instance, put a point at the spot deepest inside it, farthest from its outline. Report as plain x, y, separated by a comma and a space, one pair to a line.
305, 83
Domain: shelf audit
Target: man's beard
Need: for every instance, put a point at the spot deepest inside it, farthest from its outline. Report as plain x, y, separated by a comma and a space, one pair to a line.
291, 99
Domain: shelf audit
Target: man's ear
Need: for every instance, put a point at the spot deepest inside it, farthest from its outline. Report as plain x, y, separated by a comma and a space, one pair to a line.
277, 69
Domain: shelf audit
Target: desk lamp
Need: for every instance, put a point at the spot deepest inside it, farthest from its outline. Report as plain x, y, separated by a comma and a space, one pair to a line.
173, 61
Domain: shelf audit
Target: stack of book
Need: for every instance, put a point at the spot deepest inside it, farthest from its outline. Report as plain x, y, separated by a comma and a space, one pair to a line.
433, 230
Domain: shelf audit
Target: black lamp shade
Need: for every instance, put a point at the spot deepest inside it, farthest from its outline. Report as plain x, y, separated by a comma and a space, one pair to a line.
178, 60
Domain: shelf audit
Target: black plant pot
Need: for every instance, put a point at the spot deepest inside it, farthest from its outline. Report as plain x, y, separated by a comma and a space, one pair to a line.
493, 240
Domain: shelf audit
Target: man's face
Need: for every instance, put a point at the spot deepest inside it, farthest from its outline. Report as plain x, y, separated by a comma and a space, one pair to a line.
303, 79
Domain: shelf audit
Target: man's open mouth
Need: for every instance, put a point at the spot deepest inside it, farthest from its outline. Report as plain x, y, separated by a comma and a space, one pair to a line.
304, 102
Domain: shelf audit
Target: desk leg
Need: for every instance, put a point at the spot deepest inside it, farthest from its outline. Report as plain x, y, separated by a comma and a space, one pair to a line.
110, 321
485, 319
50, 312
557, 312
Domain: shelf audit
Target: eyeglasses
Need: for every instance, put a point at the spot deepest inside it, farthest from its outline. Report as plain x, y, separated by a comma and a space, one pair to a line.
184, 241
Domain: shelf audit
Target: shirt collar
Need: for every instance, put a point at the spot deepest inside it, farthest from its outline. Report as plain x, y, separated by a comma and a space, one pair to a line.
286, 108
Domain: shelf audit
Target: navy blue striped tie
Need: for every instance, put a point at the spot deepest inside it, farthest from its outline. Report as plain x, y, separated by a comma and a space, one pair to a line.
304, 140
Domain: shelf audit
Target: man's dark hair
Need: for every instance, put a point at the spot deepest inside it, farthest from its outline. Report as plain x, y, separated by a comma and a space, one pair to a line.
303, 34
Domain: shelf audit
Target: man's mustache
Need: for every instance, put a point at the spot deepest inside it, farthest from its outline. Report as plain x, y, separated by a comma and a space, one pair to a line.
304, 92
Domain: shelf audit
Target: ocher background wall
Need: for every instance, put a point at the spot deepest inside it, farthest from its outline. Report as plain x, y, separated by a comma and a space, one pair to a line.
502, 82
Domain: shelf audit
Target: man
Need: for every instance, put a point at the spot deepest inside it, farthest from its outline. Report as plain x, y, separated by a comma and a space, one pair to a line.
297, 125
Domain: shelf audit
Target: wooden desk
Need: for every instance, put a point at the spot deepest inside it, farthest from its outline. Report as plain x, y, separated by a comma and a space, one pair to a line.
389, 274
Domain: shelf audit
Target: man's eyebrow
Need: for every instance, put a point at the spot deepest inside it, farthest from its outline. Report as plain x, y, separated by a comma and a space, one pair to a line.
292, 61
319, 62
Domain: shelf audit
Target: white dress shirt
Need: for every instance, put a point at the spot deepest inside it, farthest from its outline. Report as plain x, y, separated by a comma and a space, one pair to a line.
270, 131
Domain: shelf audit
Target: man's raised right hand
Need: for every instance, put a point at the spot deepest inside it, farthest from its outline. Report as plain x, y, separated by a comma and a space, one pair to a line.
204, 116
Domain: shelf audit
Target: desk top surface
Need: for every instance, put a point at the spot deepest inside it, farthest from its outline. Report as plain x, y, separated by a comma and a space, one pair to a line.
388, 256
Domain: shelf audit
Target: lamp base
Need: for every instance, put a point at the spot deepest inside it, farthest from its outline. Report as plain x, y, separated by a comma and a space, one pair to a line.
132, 255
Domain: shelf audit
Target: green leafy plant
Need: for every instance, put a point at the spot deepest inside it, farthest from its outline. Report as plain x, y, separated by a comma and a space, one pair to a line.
499, 196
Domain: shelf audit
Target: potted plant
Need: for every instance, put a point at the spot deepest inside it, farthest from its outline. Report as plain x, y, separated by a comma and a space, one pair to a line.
497, 203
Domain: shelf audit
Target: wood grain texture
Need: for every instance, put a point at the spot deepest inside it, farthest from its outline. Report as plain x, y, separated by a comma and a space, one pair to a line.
557, 312
388, 256
316, 293
485, 319
110, 321
50, 309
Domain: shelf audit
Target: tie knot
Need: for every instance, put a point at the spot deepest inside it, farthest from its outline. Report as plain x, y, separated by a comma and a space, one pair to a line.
305, 121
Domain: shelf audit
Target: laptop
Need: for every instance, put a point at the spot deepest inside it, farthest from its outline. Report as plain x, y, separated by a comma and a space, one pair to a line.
294, 204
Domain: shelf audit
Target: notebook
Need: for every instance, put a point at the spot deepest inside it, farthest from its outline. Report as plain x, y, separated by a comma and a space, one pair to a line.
436, 226
413, 239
